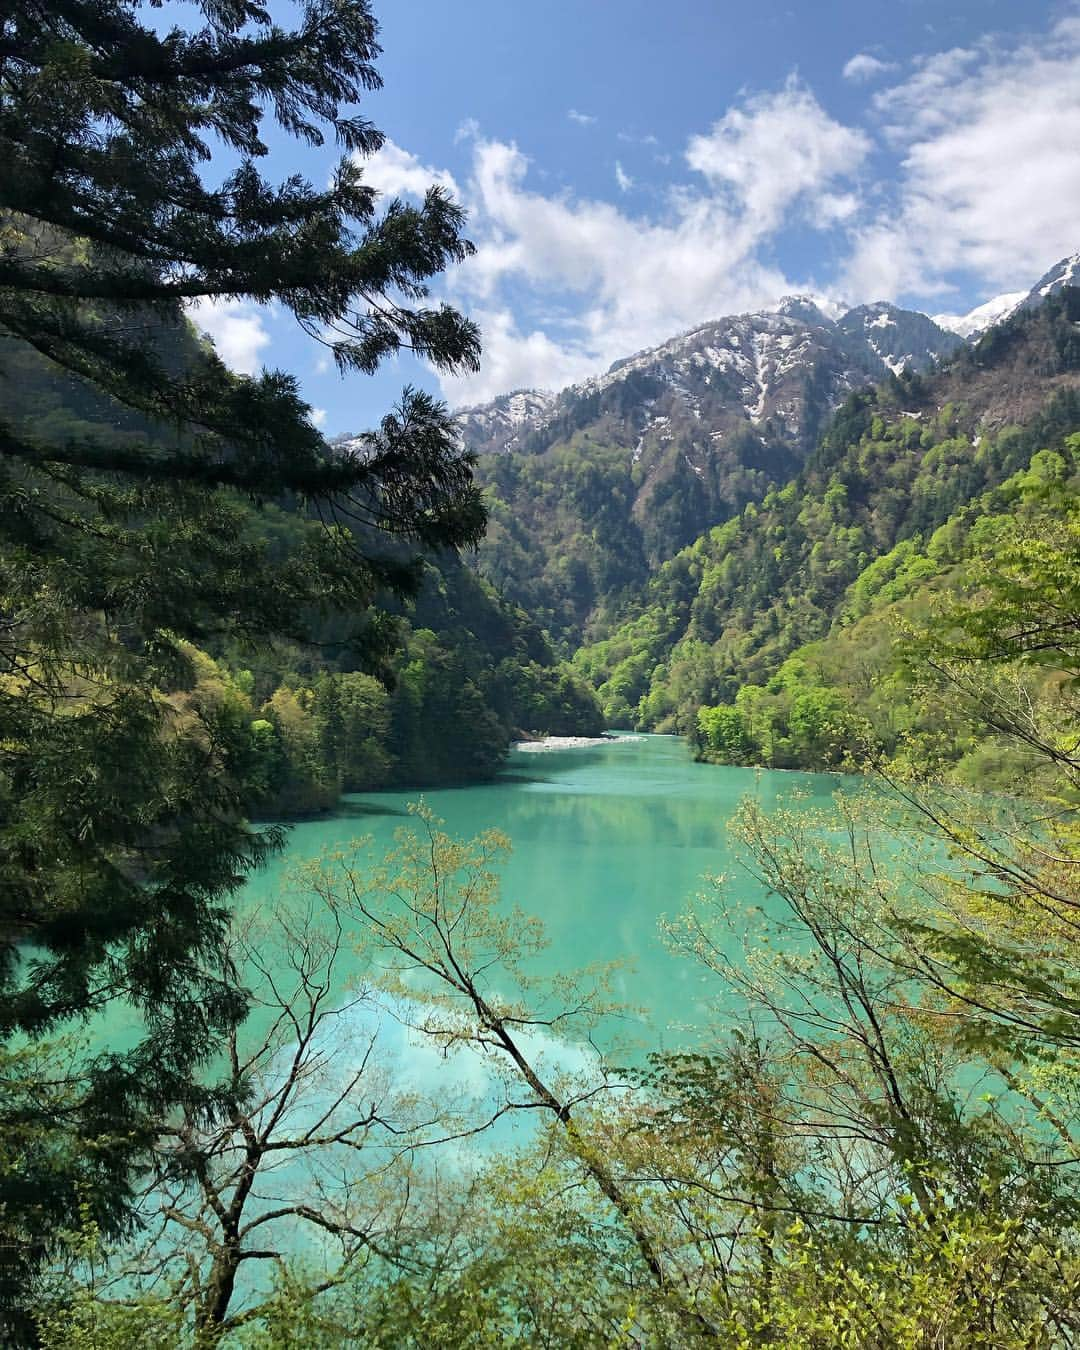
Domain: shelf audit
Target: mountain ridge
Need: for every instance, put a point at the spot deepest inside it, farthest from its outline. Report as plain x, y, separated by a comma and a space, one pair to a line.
501, 423
592, 489
504, 423
596, 487
897, 464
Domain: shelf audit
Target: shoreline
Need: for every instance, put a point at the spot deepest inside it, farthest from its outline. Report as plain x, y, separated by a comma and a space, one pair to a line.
551, 743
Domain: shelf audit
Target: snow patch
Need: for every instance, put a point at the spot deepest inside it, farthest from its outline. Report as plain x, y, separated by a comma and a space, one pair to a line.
1070, 268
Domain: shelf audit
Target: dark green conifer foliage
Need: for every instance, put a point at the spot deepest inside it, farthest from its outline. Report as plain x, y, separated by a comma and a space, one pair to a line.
132, 466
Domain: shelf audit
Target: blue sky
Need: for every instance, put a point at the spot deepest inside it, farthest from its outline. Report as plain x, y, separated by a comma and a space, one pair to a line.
633, 169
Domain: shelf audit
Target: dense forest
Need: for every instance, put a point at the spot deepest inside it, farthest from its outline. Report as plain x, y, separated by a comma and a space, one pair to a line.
772, 639
418, 689
211, 616
469, 674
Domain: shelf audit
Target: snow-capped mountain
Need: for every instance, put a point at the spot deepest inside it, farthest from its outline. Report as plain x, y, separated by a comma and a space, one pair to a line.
494, 426
594, 487
634, 463
772, 374
780, 369
904, 339
1064, 273
749, 365
628, 466
972, 325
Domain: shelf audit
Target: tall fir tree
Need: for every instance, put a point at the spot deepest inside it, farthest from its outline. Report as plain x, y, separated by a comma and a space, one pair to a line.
133, 466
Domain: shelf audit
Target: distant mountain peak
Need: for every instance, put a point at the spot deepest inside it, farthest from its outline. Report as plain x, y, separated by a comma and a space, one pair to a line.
1064, 273
517, 404
973, 324
494, 426
882, 311
775, 371
807, 308
901, 339
762, 379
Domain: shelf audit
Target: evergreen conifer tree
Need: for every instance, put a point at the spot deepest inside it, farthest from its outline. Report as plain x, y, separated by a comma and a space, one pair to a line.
133, 466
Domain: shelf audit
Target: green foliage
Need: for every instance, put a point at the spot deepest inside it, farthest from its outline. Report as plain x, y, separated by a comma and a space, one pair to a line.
561, 535
724, 732
155, 506
309, 727
900, 497
876, 1143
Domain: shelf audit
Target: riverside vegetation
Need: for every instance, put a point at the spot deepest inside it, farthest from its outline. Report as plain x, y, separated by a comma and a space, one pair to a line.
206, 612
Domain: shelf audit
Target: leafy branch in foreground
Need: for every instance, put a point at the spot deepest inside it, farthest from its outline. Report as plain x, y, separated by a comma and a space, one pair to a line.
850, 1158
432, 916
314, 1155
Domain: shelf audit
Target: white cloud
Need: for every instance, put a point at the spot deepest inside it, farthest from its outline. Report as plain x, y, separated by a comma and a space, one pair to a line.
582, 119
318, 417
621, 282
237, 328
863, 67
514, 359
562, 286
986, 191
990, 176
775, 150
397, 173
835, 208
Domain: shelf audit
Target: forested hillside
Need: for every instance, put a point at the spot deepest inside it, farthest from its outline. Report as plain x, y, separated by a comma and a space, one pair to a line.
388, 689
466, 674
589, 493
901, 474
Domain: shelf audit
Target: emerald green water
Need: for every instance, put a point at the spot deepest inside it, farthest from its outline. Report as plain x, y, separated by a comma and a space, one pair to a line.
606, 840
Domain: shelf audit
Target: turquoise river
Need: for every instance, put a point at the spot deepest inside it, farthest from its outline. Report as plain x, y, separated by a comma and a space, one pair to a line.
606, 840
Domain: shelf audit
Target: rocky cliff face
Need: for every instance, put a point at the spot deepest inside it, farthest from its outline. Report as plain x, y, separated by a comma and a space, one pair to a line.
491, 427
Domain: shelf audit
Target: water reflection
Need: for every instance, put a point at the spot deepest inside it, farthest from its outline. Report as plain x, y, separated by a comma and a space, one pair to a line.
606, 840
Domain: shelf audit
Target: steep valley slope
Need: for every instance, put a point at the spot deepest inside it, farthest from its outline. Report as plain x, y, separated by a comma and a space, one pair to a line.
904, 477
592, 490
